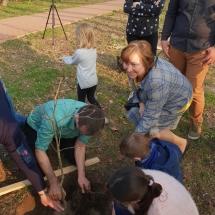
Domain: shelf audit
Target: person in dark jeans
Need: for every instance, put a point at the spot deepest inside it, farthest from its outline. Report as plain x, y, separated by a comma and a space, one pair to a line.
89, 92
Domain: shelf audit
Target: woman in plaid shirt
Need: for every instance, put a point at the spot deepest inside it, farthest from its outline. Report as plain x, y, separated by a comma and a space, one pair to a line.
163, 93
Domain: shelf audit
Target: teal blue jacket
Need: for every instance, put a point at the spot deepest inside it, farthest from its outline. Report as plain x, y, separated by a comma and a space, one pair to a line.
43, 119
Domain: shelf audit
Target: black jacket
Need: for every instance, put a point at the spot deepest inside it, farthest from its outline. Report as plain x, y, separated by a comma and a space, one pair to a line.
144, 20
191, 25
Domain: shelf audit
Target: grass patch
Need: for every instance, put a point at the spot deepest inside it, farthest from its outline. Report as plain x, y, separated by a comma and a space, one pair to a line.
31, 71
26, 7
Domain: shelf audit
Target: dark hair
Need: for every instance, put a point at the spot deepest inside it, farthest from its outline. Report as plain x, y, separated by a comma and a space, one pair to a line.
135, 145
144, 51
132, 184
92, 118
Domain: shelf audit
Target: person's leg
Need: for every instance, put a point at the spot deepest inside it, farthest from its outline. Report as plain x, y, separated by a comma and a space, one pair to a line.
168, 136
91, 96
67, 147
178, 59
81, 94
190, 65
152, 40
196, 73
131, 37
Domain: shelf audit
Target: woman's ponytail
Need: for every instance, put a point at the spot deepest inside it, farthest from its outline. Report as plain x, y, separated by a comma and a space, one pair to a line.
153, 190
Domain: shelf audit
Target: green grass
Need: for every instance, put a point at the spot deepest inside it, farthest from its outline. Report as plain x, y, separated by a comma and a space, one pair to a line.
31, 71
24, 7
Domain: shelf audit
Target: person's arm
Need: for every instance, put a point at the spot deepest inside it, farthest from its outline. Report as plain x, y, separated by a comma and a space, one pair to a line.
113, 211
142, 108
54, 191
80, 150
46, 201
170, 17
71, 60
149, 9
32, 172
169, 23
153, 106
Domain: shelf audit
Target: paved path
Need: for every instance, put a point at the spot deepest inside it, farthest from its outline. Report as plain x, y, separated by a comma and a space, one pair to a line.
12, 28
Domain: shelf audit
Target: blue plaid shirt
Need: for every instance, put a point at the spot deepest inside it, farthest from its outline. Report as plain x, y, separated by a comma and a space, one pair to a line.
164, 91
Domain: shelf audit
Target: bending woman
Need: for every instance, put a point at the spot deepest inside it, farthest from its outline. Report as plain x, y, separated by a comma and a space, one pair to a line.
150, 192
163, 93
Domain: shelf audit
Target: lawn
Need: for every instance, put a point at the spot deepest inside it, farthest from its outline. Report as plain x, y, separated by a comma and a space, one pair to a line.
31, 70
26, 7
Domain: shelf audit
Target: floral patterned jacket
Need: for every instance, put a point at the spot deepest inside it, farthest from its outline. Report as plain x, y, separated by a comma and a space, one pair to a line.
144, 19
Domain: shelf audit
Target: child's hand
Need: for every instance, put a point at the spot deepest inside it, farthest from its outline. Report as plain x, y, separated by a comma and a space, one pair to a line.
141, 109
60, 58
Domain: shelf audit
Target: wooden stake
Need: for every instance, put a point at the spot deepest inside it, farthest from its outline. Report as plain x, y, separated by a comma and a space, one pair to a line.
25, 183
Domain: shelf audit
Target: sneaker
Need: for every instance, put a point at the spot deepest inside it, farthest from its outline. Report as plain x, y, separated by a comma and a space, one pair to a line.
2, 173
195, 131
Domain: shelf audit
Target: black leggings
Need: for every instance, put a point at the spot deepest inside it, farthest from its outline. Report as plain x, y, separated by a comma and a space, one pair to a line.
151, 39
31, 136
90, 93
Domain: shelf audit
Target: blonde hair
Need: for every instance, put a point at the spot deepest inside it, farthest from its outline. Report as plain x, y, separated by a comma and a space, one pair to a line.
135, 145
85, 35
144, 51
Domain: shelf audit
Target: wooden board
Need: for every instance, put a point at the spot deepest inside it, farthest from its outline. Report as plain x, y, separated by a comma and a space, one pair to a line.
21, 184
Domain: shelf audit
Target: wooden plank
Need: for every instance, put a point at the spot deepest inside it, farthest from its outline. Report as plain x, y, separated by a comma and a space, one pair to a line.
22, 184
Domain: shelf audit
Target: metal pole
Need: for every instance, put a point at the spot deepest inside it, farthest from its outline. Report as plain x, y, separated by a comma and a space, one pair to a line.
53, 22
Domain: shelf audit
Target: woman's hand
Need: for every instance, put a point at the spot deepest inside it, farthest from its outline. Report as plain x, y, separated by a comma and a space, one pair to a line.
141, 109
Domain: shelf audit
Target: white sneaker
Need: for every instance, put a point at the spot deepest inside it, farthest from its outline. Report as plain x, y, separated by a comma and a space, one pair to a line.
106, 121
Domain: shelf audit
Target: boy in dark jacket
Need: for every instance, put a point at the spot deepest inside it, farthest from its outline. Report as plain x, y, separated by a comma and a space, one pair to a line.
156, 154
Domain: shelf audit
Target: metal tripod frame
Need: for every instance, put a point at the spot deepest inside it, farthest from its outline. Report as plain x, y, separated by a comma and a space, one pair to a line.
53, 9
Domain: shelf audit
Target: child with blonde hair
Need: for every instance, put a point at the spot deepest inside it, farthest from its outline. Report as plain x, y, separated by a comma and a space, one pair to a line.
85, 59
